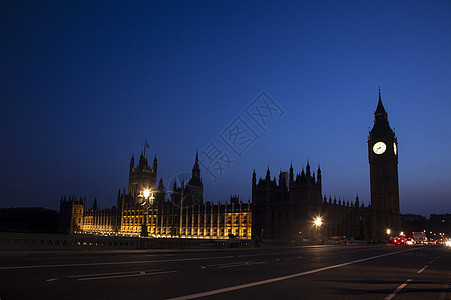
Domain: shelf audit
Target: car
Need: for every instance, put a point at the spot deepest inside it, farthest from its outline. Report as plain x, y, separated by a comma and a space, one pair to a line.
399, 240
410, 241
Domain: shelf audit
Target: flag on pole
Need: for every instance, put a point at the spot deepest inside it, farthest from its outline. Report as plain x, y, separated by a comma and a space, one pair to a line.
146, 144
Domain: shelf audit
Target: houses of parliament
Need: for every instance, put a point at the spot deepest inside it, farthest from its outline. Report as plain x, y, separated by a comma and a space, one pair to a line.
283, 209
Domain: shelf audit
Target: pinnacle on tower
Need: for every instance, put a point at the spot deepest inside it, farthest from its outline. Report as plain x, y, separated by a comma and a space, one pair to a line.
155, 164
195, 173
380, 110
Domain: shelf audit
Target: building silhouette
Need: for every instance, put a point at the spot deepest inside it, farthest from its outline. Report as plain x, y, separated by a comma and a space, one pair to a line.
383, 160
287, 210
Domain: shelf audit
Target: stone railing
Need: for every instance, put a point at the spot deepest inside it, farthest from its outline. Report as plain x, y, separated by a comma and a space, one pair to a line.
31, 241
65, 241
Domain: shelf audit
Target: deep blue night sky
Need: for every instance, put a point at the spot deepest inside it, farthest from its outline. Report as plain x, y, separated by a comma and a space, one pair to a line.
83, 83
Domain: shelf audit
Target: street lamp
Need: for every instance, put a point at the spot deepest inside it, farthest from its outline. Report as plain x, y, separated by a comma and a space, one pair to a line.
145, 199
318, 222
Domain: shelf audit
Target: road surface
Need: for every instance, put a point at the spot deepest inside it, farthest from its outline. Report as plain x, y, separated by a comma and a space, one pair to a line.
317, 272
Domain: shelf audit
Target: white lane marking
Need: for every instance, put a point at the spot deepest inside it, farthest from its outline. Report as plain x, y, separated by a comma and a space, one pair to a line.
398, 289
123, 276
257, 283
436, 258
115, 263
51, 279
424, 268
115, 273
305, 250
243, 265
234, 263
377, 256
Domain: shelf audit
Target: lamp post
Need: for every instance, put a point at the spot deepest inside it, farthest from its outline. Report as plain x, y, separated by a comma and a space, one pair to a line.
388, 232
318, 222
145, 199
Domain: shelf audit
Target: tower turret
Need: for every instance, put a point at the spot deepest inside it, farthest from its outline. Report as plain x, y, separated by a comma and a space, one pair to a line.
141, 177
160, 192
155, 165
254, 179
195, 187
132, 163
318, 176
195, 172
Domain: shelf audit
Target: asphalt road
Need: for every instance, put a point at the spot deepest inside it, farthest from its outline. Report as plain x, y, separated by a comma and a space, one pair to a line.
322, 272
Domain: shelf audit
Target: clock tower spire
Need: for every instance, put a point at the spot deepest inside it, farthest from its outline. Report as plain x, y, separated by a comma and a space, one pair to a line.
383, 159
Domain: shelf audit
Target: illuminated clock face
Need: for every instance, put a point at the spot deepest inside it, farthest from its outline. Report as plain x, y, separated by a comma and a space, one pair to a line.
395, 149
379, 147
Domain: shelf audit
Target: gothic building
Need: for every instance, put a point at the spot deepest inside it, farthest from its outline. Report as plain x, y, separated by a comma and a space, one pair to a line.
288, 209
180, 212
283, 209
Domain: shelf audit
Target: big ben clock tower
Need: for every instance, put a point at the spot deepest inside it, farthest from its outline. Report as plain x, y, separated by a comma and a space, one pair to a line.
383, 159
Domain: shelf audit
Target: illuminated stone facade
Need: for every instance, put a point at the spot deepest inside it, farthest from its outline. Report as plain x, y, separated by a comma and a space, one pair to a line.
179, 213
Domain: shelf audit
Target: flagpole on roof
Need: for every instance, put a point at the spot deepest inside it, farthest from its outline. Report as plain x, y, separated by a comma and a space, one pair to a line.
146, 145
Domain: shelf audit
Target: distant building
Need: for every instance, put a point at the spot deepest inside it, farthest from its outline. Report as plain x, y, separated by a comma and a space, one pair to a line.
440, 223
28, 219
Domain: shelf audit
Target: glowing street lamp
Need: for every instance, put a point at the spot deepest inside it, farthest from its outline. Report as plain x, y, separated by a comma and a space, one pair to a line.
388, 231
318, 222
146, 194
145, 198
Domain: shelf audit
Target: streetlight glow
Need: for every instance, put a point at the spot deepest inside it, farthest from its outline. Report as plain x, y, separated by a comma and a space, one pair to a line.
388, 231
318, 221
146, 193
